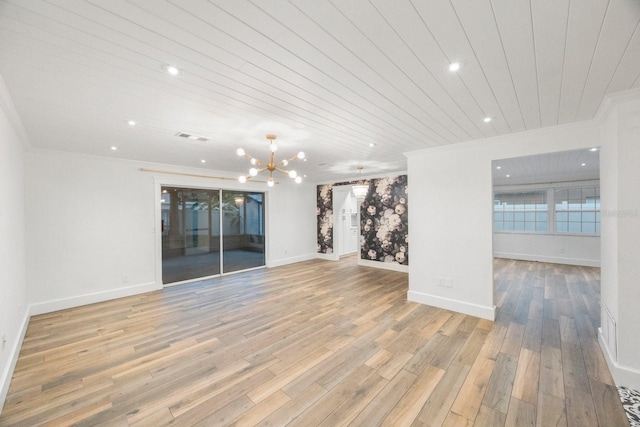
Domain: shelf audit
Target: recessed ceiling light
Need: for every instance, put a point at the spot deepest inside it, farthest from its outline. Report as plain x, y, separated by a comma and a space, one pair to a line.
583, 164
508, 176
454, 66
486, 119
498, 167
203, 161
593, 149
114, 148
131, 122
172, 70
371, 144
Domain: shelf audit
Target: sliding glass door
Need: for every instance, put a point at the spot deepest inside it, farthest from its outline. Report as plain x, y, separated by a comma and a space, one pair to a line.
242, 230
196, 223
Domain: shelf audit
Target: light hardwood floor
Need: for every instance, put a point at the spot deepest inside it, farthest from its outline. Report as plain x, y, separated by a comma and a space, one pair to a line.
321, 343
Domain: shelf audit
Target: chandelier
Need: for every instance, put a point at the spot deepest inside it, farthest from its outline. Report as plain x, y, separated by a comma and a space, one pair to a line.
361, 188
271, 165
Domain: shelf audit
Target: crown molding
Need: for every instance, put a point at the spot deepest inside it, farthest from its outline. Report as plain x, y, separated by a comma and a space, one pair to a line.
612, 100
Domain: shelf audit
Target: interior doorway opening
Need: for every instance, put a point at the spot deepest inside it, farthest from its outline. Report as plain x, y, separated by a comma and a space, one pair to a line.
546, 208
346, 235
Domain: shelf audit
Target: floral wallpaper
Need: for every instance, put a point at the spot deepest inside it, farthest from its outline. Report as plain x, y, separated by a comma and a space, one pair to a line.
384, 223
324, 212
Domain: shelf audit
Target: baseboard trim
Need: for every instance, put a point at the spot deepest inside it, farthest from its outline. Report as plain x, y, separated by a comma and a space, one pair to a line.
64, 303
384, 265
7, 373
328, 257
292, 260
549, 259
475, 310
622, 375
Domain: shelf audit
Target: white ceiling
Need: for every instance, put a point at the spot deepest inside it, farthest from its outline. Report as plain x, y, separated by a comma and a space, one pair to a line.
327, 77
575, 165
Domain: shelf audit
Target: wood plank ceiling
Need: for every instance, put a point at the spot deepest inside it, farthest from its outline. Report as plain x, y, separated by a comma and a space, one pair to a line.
350, 82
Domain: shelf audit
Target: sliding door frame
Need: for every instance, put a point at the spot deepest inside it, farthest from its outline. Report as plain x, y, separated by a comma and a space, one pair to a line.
197, 184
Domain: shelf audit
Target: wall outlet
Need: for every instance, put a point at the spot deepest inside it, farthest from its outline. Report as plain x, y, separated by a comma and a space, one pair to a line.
125, 278
3, 341
448, 282
440, 280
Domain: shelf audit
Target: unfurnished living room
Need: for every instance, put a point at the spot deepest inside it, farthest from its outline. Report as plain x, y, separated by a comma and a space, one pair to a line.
320, 212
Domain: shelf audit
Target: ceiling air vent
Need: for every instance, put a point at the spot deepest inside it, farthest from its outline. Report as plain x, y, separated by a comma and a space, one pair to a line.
192, 136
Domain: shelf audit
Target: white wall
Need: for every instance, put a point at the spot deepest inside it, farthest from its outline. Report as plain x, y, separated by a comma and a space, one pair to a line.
451, 214
92, 231
91, 222
620, 206
608, 223
292, 223
13, 287
627, 214
560, 249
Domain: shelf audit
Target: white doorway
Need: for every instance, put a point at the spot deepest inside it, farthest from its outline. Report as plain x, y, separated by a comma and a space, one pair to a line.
346, 227
546, 208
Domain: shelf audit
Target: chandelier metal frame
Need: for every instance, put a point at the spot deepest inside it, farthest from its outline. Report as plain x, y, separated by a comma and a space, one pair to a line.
271, 165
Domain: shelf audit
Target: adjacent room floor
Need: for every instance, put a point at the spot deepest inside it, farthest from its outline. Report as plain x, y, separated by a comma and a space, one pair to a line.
322, 343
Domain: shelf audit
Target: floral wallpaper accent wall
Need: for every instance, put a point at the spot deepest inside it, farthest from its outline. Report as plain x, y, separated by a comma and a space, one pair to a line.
324, 212
384, 223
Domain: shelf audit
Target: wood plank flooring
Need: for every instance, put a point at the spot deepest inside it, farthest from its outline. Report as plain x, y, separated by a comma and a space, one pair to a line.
321, 343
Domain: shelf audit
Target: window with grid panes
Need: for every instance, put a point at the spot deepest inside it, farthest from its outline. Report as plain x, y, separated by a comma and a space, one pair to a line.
521, 211
577, 210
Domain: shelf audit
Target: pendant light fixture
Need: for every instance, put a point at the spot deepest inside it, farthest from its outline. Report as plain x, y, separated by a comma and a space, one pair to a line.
360, 189
271, 165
